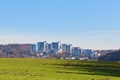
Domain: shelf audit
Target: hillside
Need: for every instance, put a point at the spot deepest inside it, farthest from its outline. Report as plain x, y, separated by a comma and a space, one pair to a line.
51, 69
113, 56
14, 50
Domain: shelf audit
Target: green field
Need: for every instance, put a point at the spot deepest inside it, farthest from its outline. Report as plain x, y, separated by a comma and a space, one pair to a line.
51, 69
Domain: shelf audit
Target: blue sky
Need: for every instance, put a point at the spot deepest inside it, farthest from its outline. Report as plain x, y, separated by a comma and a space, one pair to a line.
91, 24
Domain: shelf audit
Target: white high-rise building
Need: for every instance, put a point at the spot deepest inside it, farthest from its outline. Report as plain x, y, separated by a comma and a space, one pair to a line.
64, 48
48, 48
67, 48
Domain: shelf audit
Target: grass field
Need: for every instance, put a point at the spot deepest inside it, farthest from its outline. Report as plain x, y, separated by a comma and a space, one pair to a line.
51, 69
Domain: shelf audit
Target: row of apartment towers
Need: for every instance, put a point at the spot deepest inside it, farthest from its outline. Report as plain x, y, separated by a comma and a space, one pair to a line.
53, 47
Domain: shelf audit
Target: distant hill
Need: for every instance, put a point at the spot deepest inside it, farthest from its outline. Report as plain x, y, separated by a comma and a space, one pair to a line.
14, 51
112, 56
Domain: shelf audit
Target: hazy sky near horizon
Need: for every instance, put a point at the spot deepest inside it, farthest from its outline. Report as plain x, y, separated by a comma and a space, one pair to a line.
91, 24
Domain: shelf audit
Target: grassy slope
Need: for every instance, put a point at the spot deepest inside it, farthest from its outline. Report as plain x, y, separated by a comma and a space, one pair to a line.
48, 69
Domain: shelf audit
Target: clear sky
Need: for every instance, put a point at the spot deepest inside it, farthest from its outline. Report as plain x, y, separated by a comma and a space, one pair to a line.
91, 24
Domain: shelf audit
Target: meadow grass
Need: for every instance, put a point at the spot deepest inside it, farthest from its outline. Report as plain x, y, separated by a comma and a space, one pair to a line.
52, 69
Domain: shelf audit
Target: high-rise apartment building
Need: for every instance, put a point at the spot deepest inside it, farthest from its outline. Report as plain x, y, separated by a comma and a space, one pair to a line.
56, 46
64, 48
41, 46
48, 48
67, 48
33, 47
76, 51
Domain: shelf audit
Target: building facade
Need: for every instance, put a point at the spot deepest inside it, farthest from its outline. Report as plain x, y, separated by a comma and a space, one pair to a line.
76, 52
33, 47
56, 46
41, 46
